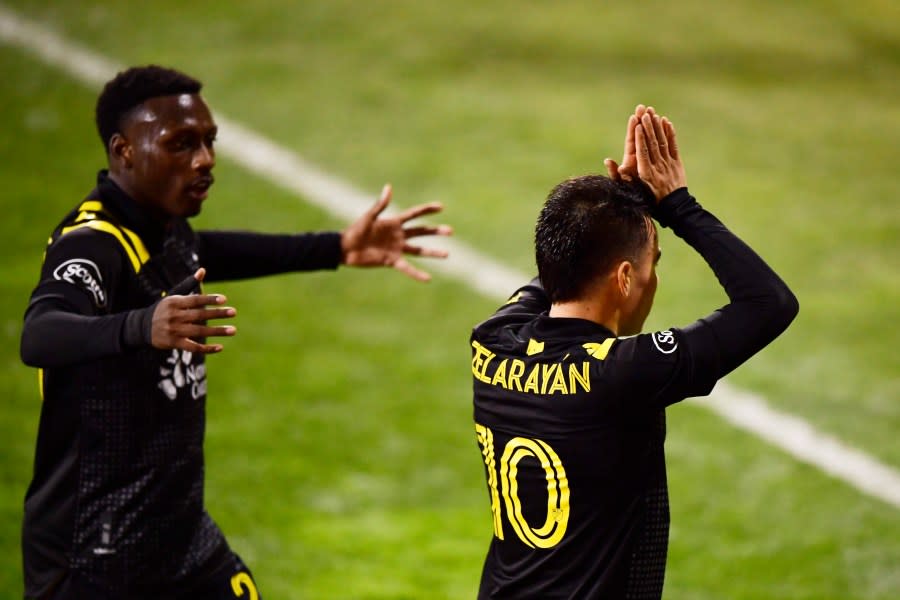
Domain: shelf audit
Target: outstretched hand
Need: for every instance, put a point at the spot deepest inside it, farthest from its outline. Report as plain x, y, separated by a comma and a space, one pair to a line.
376, 241
179, 319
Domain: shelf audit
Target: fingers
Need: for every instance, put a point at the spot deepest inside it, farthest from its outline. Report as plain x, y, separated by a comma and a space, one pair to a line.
419, 210
197, 348
208, 314
369, 217
193, 309
196, 300
659, 132
643, 153
612, 169
420, 230
650, 138
404, 267
179, 321
188, 284
202, 331
629, 137
427, 252
669, 129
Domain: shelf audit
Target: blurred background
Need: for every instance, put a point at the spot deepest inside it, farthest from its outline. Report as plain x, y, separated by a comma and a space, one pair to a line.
341, 457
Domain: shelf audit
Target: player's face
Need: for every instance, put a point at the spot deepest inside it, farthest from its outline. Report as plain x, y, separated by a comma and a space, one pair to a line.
172, 156
644, 282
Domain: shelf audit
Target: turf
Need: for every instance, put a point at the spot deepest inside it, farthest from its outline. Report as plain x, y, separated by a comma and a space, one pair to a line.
341, 458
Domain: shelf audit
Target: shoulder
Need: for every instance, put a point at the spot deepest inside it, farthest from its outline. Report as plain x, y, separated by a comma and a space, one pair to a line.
90, 243
664, 346
655, 367
82, 262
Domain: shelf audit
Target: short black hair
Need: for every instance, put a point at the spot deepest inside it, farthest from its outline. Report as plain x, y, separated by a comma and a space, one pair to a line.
586, 226
133, 86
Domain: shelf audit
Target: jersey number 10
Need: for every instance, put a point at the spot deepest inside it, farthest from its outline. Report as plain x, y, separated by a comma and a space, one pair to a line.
554, 527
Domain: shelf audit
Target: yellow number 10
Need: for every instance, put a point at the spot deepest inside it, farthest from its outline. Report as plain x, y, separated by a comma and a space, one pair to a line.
554, 527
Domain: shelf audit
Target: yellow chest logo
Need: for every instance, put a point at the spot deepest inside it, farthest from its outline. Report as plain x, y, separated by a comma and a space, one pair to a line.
534, 347
599, 350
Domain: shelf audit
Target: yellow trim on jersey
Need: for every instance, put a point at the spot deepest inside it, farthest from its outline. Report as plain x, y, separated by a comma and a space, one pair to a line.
134, 247
138, 244
41, 382
90, 206
599, 351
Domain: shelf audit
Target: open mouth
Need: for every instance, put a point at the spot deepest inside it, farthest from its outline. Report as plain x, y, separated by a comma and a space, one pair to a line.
200, 186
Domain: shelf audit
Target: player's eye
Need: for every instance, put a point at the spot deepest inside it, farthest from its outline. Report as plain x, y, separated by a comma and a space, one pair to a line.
180, 143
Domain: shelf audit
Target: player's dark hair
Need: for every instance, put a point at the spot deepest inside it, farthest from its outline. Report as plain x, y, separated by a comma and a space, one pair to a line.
133, 86
587, 225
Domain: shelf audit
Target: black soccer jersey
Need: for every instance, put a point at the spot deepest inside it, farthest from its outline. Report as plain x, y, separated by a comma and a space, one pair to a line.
570, 421
117, 490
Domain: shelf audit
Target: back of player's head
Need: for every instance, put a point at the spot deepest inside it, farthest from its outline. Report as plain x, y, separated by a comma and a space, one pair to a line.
587, 225
130, 88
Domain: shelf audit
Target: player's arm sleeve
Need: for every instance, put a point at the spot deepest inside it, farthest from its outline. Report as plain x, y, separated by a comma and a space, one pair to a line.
68, 319
760, 307
229, 255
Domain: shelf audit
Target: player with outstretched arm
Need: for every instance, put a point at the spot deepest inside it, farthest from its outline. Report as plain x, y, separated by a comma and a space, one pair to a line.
118, 325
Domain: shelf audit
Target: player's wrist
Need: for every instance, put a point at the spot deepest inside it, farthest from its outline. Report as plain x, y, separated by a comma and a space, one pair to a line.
669, 206
137, 330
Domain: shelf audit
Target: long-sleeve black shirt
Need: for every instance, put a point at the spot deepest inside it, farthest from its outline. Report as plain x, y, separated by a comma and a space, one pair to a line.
571, 423
117, 489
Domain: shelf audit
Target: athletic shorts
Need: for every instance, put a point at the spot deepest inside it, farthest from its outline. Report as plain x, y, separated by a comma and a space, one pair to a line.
232, 581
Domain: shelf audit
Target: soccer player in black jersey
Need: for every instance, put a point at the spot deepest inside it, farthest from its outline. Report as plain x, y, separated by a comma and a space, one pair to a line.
570, 396
118, 326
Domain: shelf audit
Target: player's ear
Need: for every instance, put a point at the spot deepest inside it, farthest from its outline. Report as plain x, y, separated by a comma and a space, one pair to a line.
624, 272
120, 151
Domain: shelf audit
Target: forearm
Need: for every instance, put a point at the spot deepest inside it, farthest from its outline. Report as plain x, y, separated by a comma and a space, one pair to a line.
55, 337
229, 255
761, 305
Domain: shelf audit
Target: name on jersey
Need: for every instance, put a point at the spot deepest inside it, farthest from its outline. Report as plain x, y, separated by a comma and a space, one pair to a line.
541, 378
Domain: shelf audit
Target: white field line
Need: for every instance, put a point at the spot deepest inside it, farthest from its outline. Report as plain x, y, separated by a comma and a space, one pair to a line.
282, 167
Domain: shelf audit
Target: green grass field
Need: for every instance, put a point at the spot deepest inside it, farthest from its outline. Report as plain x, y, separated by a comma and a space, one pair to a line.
341, 457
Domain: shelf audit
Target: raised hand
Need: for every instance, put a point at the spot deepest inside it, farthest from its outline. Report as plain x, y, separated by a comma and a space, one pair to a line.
658, 161
179, 320
627, 171
374, 241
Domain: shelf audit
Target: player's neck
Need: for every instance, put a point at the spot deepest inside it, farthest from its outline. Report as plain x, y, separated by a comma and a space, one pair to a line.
590, 310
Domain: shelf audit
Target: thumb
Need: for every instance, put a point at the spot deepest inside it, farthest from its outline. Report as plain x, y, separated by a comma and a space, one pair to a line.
612, 169
379, 206
188, 284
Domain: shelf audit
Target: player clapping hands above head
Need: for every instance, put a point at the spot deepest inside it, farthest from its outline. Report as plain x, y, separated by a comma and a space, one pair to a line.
570, 416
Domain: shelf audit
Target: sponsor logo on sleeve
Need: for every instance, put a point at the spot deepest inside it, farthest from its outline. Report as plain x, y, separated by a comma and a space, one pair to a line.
664, 341
85, 274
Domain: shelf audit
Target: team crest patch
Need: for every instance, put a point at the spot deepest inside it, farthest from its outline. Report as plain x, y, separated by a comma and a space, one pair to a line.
664, 341
85, 274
